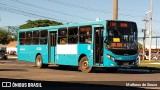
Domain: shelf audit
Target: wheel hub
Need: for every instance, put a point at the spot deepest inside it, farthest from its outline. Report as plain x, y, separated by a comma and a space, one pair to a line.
85, 65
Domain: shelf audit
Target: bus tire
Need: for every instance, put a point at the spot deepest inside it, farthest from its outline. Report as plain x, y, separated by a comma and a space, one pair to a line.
39, 62
84, 65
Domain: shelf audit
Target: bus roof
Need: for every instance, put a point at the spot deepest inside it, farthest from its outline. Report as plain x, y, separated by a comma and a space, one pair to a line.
71, 25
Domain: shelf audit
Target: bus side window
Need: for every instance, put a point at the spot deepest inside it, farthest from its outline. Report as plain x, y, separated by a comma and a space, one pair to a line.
73, 35
29, 37
82, 39
35, 37
62, 36
43, 36
22, 38
85, 34
63, 40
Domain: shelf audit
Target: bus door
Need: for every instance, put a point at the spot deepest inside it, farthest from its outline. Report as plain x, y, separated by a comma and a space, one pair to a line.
52, 46
98, 46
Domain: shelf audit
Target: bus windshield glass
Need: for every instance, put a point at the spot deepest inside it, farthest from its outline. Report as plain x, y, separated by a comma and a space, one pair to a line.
121, 35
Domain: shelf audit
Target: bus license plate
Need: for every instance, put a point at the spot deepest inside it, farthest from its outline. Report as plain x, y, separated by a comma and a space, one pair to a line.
125, 63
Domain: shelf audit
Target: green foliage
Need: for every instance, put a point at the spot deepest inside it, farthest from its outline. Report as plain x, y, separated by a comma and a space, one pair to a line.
5, 38
39, 23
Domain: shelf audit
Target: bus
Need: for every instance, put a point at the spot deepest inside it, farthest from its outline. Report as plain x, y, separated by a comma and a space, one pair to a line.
108, 44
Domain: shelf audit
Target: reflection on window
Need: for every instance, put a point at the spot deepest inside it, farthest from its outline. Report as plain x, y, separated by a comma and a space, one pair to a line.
85, 30
62, 32
85, 39
62, 40
73, 39
43, 41
28, 41
22, 41
35, 40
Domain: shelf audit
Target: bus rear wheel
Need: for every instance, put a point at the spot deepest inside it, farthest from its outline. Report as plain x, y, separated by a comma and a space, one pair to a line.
39, 62
84, 65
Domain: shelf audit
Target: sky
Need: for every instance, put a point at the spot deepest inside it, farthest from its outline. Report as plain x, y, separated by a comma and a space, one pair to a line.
17, 12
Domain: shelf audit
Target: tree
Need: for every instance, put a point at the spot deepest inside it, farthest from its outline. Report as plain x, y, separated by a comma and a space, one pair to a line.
39, 23
5, 38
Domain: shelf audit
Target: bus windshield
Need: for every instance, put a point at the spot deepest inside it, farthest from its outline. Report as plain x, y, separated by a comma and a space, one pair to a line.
121, 37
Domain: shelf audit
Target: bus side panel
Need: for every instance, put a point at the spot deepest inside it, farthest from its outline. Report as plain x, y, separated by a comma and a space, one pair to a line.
71, 53
22, 54
43, 51
86, 49
72, 59
28, 53
62, 59
67, 55
33, 51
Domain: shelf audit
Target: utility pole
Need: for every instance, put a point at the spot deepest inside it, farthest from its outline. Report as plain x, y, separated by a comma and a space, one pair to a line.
150, 31
115, 9
144, 38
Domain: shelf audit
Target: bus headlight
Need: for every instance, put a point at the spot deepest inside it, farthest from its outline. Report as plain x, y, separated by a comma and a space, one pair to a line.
110, 57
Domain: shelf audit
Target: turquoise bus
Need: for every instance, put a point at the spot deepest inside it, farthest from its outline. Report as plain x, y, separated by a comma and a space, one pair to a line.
106, 44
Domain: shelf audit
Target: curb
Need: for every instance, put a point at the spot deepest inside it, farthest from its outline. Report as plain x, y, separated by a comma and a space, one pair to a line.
140, 70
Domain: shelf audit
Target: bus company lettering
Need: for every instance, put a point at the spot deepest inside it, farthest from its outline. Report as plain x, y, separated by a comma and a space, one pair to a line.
38, 48
34, 85
26, 84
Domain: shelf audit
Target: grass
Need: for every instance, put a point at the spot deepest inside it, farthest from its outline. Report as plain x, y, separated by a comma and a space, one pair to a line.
151, 61
146, 64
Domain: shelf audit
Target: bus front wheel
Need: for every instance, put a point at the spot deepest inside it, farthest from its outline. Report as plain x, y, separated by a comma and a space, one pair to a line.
84, 65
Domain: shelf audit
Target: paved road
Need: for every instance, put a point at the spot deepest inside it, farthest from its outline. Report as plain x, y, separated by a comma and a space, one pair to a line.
14, 69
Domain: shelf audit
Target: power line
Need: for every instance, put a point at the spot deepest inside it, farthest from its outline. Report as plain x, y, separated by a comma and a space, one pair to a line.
88, 8
16, 11
77, 6
47, 9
